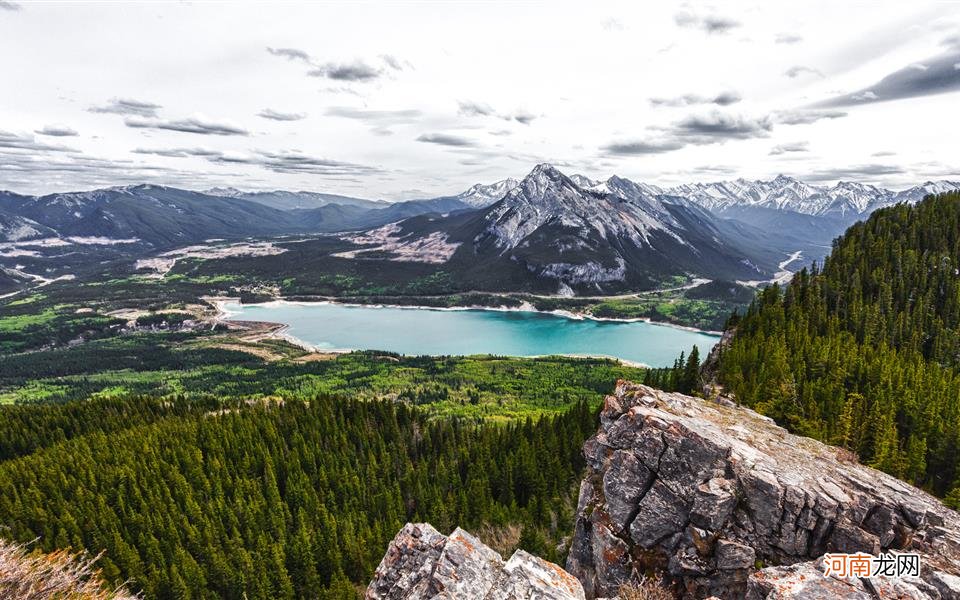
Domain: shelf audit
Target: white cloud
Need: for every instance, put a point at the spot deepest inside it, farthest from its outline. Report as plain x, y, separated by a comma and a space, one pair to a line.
575, 87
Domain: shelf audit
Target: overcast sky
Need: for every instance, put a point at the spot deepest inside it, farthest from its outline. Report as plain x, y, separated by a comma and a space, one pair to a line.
404, 100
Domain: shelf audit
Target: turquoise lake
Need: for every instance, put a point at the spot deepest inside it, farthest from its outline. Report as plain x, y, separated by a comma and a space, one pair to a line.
415, 331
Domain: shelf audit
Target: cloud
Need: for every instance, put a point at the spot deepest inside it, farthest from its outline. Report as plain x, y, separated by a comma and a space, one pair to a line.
446, 139
864, 96
721, 99
694, 130
798, 70
13, 141
722, 126
355, 71
178, 152
612, 24
395, 63
198, 125
639, 148
469, 108
380, 121
279, 162
276, 115
883, 153
806, 116
7, 5
523, 117
938, 75
56, 131
476, 109
790, 148
294, 54
788, 38
42, 173
712, 24
126, 106
855, 172
297, 162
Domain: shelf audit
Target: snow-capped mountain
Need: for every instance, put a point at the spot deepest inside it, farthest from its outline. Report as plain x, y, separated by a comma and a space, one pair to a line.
481, 196
616, 209
224, 192
549, 233
919, 192
845, 201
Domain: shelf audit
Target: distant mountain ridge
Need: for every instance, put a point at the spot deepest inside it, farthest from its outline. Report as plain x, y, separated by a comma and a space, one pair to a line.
833, 208
575, 232
844, 200
549, 233
286, 200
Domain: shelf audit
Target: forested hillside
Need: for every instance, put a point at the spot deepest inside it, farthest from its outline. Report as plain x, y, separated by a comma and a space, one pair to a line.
202, 472
864, 353
286, 500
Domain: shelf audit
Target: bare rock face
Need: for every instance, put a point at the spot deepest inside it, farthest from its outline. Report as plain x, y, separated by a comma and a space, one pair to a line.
422, 563
710, 494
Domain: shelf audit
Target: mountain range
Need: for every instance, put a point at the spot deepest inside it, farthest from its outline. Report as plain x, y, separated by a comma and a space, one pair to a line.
578, 233
610, 236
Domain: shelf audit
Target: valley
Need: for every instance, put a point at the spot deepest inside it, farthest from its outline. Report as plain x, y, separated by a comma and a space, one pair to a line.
459, 250
476, 345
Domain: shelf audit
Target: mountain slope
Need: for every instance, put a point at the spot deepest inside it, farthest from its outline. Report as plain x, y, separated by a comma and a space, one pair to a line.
163, 217
156, 215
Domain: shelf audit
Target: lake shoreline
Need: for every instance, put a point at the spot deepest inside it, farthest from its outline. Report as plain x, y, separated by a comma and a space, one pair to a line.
282, 330
219, 301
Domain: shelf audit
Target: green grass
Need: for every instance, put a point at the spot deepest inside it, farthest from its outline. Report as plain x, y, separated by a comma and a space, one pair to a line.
165, 364
22, 322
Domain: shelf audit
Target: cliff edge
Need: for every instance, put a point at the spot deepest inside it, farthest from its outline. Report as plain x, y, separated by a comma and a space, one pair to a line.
726, 503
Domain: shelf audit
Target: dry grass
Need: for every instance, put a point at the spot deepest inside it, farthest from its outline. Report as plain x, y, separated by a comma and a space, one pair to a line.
59, 575
648, 588
503, 540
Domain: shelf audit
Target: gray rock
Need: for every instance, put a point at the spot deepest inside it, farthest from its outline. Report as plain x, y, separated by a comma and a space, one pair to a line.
803, 581
422, 564
731, 555
717, 489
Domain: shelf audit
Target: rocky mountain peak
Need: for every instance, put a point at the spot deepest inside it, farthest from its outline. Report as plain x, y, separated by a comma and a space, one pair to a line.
709, 492
782, 179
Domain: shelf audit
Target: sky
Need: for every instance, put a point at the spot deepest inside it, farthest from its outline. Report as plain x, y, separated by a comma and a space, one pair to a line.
401, 100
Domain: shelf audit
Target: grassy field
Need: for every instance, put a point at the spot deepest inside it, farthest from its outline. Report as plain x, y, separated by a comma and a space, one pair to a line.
227, 366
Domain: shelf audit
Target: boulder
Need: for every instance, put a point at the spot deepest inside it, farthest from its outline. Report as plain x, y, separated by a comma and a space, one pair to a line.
724, 502
421, 563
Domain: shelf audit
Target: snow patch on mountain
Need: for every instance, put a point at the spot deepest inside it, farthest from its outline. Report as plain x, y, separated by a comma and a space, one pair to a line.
398, 246
481, 196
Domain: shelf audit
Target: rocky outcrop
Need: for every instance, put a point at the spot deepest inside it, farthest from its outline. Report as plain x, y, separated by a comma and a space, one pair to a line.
726, 503
421, 563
